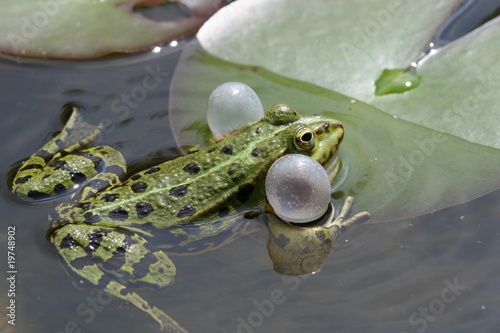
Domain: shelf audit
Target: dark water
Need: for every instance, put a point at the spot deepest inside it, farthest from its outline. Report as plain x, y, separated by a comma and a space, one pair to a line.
437, 273
471, 14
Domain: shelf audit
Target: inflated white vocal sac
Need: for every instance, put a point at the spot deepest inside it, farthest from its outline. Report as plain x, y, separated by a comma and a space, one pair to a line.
230, 106
298, 188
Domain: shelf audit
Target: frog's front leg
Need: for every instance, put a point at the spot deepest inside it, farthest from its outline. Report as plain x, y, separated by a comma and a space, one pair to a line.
340, 221
297, 250
111, 258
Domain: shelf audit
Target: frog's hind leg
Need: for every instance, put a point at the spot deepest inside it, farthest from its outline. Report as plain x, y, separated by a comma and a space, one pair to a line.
62, 164
113, 258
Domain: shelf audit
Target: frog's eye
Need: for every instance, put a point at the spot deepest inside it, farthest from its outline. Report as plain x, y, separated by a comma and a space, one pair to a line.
305, 139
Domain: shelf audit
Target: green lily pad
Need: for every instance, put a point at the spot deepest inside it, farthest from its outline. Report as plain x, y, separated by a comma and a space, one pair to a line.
87, 29
394, 169
458, 93
346, 45
337, 44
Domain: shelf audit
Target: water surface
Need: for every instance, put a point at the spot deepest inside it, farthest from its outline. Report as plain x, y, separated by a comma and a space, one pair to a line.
436, 273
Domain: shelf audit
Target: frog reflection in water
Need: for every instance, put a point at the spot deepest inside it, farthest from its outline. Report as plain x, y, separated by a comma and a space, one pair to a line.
101, 231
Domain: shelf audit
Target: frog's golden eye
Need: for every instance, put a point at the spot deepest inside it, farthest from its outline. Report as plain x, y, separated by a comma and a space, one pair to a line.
305, 139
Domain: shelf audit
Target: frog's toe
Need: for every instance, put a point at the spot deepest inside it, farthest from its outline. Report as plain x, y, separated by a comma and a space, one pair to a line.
341, 221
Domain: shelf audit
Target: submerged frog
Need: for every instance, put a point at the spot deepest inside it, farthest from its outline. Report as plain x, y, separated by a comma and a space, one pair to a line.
101, 231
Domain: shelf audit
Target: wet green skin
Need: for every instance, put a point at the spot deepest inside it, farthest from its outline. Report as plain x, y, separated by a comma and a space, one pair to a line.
102, 227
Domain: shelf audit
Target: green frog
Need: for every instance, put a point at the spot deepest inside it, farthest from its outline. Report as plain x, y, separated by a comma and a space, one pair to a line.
101, 231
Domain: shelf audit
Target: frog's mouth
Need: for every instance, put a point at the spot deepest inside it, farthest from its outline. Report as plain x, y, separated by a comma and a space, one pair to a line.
332, 165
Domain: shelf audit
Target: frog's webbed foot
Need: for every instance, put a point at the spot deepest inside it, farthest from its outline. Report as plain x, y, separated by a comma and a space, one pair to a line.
62, 164
111, 259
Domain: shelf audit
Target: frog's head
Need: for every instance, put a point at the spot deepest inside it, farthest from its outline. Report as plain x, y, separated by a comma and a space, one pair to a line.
316, 136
